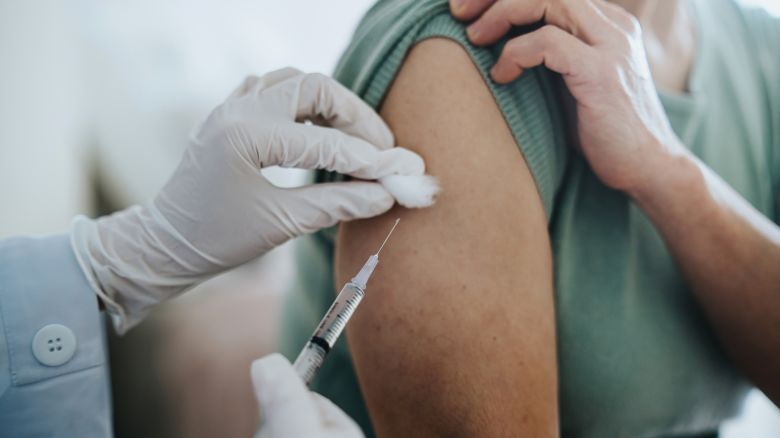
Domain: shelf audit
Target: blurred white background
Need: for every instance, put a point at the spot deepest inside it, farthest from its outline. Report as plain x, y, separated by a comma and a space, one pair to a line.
104, 94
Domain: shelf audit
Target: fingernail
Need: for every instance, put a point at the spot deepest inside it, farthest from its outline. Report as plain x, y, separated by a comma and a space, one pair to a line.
383, 202
495, 71
498, 74
472, 32
410, 162
457, 6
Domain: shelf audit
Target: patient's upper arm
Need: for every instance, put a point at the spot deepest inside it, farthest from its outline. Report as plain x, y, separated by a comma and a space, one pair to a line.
456, 336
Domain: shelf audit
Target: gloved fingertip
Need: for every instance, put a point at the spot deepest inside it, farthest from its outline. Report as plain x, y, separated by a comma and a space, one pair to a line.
383, 204
402, 161
286, 72
369, 199
247, 84
268, 369
386, 137
333, 416
286, 405
272, 78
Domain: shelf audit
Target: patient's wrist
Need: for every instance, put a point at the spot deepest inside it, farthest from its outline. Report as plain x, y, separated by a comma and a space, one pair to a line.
671, 179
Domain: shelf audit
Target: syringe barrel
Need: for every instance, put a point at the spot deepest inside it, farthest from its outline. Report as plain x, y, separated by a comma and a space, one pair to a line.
328, 331
309, 361
340, 312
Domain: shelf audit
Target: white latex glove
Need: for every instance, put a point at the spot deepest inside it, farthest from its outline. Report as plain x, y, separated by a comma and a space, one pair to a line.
217, 211
289, 410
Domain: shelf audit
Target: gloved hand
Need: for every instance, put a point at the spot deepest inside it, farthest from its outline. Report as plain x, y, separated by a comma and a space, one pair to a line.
218, 211
289, 409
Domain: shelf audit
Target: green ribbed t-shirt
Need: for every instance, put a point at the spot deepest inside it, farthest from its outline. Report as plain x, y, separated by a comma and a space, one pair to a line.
636, 357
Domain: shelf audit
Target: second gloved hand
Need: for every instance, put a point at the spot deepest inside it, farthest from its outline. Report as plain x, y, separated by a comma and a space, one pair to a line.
218, 211
289, 409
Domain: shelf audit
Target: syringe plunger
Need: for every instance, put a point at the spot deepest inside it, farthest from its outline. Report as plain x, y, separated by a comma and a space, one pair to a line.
335, 320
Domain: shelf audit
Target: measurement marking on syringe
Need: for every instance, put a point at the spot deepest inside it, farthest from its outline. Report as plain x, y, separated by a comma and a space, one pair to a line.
336, 319
342, 317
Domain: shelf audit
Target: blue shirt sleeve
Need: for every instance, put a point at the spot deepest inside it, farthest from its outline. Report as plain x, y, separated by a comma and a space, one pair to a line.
53, 367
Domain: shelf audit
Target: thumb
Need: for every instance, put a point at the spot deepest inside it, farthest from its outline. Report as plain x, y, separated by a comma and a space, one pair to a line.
335, 419
286, 405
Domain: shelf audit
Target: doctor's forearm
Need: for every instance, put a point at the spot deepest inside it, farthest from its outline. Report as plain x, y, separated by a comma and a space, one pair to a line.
729, 254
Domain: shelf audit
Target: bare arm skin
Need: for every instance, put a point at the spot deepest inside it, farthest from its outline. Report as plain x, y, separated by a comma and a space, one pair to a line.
456, 336
728, 252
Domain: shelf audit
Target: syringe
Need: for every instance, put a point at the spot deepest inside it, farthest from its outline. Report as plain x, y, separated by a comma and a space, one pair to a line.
327, 333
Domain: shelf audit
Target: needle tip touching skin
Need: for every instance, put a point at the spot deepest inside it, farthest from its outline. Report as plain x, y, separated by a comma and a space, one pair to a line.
145, 255
502, 284
395, 224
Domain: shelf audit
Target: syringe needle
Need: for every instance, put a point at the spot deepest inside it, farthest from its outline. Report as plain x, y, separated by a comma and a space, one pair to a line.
336, 318
388, 235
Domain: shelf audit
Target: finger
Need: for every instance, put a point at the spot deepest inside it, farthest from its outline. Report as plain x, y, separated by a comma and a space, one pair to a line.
286, 405
557, 49
340, 108
468, 9
316, 147
334, 418
277, 76
256, 82
248, 84
321, 206
323, 100
620, 17
580, 18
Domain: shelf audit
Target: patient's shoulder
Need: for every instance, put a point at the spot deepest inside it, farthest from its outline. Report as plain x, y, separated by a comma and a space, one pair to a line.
474, 270
422, 39
440, 72
442, 103
445, 80
441, 92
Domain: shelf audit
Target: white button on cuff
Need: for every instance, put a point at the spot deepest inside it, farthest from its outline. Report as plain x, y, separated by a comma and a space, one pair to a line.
54, 345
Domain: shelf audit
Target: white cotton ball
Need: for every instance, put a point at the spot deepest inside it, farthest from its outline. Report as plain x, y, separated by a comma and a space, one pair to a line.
412, 191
